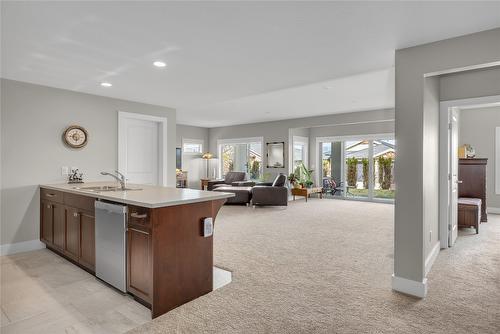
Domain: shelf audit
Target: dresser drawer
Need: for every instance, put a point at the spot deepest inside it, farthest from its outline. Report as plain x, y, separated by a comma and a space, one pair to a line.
139, 216
51, 195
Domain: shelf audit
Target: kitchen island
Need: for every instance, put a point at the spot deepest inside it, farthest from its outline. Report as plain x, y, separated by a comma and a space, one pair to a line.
169, 254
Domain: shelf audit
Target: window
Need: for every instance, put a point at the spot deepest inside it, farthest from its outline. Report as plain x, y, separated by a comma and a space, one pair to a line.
192, 146
300, 151
364, 166
241, 155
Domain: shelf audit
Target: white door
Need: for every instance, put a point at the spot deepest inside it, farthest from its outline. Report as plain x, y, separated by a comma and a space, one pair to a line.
139, 154
453, 132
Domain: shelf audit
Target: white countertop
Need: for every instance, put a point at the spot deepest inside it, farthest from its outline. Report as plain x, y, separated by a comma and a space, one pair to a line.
147, 196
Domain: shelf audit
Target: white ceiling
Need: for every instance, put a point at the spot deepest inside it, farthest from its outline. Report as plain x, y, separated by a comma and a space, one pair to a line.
229, 63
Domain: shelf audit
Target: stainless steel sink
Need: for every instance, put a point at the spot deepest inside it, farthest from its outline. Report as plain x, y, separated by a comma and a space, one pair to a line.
104, 188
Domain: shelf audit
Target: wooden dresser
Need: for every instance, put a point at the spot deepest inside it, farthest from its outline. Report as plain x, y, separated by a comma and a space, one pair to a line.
472, 174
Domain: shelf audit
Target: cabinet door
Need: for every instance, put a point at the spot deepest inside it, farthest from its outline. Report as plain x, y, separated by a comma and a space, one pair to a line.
139, 263
87, 240
46, 222
72, 248
59, 225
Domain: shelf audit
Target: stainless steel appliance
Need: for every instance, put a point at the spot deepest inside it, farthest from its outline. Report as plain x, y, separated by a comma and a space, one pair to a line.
110, 243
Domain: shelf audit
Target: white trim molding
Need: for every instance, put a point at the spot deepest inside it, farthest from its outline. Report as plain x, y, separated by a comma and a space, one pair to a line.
429, 261
19, 247
409, 287
495, 211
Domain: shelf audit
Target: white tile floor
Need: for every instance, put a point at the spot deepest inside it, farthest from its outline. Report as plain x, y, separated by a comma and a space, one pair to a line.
43, 293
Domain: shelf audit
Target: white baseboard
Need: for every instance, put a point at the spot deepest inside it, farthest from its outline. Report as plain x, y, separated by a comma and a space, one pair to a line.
409, 287
19, 247
493, 210
429, 261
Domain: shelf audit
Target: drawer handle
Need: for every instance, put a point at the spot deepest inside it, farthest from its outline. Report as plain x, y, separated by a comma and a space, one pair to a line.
50, 195
75, 214
49, 206
136, 230
136, 215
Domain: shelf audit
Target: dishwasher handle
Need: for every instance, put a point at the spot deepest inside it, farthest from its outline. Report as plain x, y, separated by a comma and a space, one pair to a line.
111, 207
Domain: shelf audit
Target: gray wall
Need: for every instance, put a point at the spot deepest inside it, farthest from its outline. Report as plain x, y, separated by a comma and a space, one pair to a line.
32, 120
477, 128
280, 130
470, 84
192, 163
413, 122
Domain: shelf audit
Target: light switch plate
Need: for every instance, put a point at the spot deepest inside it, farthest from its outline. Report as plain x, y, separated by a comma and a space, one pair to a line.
64, 171
208, 227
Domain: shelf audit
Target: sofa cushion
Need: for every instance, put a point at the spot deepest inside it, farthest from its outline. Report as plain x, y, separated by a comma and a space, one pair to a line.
233, 177
243, 195
279, 181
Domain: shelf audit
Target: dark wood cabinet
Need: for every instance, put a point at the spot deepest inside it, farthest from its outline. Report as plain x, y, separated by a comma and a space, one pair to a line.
87, 240
67, 226
139, 270
58, 225
472, 175
46, 222
72, 249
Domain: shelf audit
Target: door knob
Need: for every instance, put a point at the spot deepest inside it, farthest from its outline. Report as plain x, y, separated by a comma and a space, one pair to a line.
75, 214
460, 181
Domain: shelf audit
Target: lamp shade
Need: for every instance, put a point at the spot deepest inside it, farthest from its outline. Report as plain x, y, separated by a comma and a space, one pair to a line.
207, 156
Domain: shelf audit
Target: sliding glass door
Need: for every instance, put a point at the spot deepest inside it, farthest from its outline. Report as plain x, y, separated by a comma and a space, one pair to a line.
363, 167
357, 168
384, 157
241, 156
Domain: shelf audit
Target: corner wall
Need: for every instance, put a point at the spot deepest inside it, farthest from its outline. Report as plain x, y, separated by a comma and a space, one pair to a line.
33, 118
193, 163
414, 122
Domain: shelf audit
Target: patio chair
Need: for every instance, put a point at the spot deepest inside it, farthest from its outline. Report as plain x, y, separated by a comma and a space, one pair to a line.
331, 187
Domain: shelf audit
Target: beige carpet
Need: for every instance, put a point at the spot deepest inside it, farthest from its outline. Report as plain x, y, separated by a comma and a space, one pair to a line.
325, 267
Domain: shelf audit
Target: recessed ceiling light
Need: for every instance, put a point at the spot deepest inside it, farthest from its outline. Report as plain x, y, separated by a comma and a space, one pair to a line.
106, 84
159, 63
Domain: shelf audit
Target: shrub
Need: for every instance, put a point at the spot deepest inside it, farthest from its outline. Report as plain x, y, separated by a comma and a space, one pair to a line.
352, 171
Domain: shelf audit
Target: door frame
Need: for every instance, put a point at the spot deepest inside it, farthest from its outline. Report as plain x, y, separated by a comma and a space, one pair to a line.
445, 108
162, 142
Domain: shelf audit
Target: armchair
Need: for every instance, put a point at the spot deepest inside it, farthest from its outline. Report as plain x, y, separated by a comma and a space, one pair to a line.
231, 177
275, 194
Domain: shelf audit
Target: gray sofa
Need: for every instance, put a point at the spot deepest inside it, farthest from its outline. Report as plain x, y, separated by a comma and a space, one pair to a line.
274, 194
231, 178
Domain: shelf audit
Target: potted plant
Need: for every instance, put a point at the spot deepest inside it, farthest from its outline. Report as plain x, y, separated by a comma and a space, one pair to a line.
304, 175
294, 181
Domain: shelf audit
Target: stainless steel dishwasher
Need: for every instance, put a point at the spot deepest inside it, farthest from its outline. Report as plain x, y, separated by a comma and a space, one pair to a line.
110, 243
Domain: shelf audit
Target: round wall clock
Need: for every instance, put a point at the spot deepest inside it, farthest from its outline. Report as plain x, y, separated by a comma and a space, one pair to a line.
75, 136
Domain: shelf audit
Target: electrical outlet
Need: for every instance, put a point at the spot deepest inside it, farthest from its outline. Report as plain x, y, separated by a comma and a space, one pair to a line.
64, 171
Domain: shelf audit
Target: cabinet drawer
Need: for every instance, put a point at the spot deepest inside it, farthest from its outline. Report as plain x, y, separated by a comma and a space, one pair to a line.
139, 216
79, 201
51, 195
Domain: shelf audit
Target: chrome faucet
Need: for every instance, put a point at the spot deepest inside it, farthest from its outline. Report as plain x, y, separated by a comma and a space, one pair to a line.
119, 177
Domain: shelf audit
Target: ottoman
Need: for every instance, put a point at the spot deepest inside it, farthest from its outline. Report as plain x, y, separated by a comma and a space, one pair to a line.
243, 195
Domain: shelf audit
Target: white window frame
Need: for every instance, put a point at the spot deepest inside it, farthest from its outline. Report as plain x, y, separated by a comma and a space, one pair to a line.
200, 142
247, 140
304, 141
371, 138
